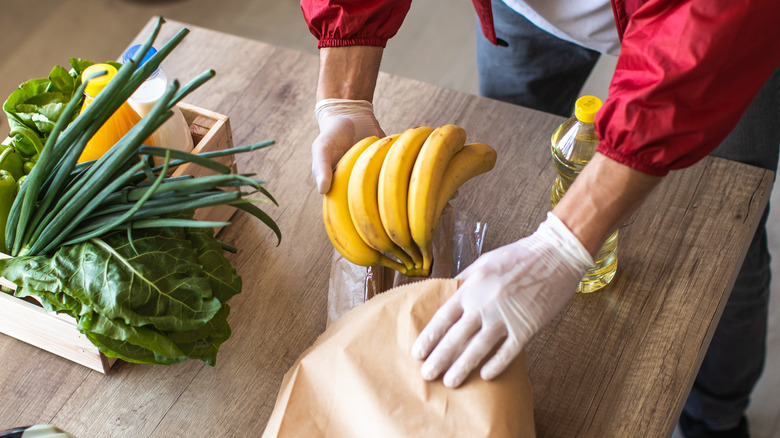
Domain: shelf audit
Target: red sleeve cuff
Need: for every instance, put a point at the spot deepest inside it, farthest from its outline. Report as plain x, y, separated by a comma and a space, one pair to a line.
344, 42
632, 161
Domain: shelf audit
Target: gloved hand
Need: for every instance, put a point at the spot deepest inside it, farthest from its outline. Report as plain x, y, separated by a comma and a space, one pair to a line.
507, 294
343, 123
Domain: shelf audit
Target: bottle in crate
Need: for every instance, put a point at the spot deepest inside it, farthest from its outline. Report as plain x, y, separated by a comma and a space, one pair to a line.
120, 122
573, 145
175, 132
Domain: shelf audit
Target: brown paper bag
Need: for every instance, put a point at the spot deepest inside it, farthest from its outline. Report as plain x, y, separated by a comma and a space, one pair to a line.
359, 380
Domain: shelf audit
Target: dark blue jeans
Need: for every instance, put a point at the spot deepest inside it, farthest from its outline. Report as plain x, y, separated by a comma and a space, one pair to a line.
536, 70
540, 71
735, 358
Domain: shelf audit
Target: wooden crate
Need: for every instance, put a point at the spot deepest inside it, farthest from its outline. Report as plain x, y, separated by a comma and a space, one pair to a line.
26, 320
210, 131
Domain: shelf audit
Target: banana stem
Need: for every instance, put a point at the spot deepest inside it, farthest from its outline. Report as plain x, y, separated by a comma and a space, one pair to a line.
427, 253
392, 264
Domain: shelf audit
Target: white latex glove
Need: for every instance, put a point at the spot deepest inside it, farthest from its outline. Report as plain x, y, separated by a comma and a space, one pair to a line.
343, 123
507, 294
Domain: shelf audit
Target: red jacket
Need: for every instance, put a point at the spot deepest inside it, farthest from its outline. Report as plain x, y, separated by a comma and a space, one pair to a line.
687, 69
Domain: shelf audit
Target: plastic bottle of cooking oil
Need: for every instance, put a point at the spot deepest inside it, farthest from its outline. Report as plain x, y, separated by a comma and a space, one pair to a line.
573, 145
116, 126
175, 132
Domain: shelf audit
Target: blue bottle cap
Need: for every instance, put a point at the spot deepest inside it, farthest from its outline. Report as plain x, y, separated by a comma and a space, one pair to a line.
129, 53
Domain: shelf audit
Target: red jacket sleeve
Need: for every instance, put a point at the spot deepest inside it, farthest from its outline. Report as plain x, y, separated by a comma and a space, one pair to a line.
687, 71
354, 22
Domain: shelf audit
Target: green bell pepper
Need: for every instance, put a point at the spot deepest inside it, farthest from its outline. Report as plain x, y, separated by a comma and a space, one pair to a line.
19, 183
28, 166
7, 195
11, 161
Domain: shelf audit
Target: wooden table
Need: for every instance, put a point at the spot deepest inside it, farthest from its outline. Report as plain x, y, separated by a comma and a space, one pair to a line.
615, 363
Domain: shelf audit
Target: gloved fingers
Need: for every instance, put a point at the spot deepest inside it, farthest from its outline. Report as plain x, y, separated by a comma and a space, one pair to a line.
451, 346
326, 150
447, 315
322, 171
337, 135
503, 357
479, 347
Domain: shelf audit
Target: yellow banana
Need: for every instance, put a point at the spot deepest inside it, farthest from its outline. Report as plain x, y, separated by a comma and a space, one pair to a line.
363, 203
394, 189
337, 220
474, 159
425, 184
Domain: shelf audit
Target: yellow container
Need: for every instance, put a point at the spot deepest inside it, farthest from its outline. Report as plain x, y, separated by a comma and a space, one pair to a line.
116, 126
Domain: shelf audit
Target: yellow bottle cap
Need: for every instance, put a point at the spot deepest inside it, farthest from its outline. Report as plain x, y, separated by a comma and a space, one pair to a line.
586, 108
97, 84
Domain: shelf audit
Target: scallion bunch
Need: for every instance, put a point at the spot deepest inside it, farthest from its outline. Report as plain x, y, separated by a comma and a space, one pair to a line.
65, 203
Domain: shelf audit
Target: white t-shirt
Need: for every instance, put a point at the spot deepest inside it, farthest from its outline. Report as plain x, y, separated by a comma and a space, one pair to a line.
589, 23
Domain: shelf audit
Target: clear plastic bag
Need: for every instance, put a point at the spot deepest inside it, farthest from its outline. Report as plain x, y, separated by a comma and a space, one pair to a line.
467, 243
458, 239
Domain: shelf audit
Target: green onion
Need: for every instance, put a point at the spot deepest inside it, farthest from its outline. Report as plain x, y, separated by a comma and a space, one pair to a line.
64, 202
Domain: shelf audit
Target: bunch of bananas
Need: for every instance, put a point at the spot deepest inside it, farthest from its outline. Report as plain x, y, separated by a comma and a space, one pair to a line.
388, 194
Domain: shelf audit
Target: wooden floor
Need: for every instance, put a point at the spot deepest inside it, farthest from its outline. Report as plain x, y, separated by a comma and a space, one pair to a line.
436, 45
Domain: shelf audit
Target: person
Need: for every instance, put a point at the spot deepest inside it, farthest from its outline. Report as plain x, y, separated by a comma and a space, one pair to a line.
693, 77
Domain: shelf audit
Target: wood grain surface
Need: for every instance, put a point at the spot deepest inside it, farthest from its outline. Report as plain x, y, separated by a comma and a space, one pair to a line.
618, 362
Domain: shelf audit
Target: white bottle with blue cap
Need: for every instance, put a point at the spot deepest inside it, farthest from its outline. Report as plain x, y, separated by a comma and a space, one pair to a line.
175, 132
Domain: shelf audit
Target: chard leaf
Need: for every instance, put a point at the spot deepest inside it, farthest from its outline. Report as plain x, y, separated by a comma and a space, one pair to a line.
203, 343
23, 109
133, 344
47, 98
129, 352
52, 111
42, 123
163, 286
146, 345
79, 65
21, 123
34, 108
60, 80
162, 305
54, 302
223, 279
27, 90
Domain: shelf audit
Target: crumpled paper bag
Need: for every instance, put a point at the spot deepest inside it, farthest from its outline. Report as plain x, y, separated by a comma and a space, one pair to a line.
360, 380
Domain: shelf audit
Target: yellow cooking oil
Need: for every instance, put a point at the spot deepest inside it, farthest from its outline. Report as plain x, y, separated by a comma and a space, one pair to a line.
573, 145
116, 126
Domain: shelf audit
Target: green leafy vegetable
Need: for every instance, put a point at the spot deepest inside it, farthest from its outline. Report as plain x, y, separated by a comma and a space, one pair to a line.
112, 242
35, 107
161, 300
